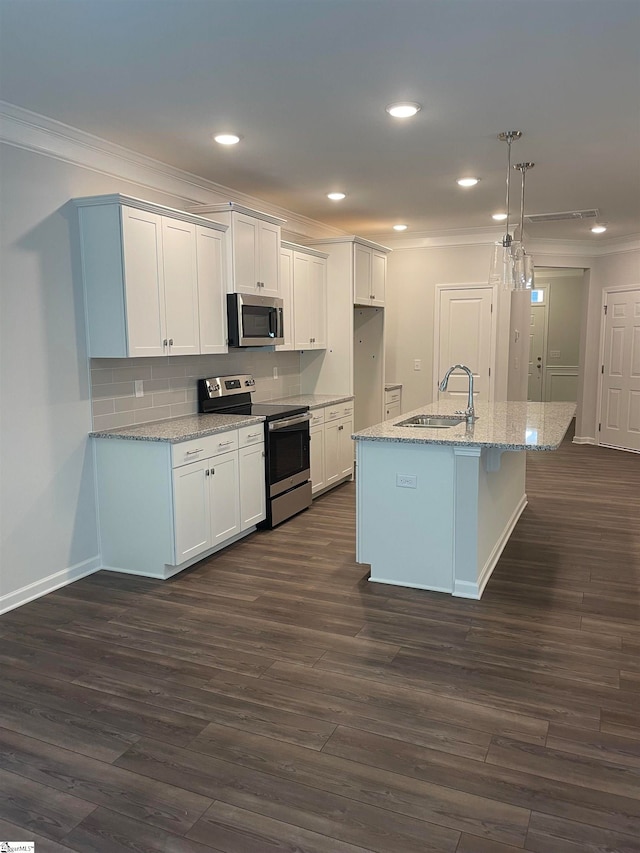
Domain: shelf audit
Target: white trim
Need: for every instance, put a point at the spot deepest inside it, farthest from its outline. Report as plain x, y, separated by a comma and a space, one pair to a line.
298, 247
466, 589
351, 238
231, 207
37, 133
584, 439
584, 249
620, 447
52, 582
412, 585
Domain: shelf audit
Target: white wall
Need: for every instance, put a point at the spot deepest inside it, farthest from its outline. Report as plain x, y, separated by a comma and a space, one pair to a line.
413, 274
47, 502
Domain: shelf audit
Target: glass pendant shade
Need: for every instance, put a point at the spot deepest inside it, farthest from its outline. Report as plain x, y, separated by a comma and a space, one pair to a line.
501, 268
523, 273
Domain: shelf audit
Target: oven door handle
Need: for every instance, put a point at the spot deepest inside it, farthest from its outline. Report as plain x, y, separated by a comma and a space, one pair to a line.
287, 422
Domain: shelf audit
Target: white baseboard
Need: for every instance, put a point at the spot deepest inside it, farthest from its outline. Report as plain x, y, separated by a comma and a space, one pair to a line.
411, 585
467, 589
583, 439
49, 584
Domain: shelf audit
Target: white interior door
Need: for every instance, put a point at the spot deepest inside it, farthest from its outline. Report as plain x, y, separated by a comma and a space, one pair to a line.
620, 398
464, 337
537, 353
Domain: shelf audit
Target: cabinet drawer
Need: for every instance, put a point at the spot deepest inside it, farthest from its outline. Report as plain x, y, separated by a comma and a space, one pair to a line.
202, 448
392, 396
340, 410
317, 417
248, 435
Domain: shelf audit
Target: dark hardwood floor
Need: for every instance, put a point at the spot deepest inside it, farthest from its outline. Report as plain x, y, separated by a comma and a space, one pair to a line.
271, 699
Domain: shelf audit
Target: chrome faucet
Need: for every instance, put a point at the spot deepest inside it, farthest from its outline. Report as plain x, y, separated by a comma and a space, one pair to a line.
469, 412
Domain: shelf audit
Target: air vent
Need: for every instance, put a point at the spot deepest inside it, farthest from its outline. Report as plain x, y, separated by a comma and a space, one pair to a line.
560, 217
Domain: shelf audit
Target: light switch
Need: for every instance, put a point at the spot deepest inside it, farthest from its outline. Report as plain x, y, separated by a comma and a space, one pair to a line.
417, 364
139, 387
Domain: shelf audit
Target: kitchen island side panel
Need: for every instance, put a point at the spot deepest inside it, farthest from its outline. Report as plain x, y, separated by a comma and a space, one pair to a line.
405, 532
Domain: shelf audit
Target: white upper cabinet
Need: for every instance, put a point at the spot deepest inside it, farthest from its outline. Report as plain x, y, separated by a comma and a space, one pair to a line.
286, 294
255, 247
153, 279
180, 286
370, 277
212, 289
309, 289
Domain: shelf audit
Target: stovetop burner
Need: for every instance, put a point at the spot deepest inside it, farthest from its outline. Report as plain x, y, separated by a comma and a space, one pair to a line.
231, 395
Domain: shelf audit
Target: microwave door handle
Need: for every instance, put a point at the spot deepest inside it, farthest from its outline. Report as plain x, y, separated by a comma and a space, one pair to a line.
273, 331
280, 323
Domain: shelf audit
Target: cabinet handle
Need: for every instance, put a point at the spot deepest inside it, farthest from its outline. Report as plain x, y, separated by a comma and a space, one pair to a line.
165, 343
193, 452
225, 443
213, 471
340, 427
206, 473
170, 342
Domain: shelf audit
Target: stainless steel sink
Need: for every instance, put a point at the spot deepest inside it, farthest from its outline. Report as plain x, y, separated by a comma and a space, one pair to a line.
432, 421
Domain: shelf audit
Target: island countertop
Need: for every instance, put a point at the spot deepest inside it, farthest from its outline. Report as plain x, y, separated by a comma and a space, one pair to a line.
510, 426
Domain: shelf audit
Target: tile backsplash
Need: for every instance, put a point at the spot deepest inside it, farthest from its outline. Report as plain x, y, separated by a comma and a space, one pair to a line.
169, 383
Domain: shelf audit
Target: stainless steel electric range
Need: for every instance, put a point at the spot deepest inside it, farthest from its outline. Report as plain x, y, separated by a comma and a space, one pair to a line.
287, 459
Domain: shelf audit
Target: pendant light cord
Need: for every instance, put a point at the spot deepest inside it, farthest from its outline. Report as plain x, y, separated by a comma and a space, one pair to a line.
506, 242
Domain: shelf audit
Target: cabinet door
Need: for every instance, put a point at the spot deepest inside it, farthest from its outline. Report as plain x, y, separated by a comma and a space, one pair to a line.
252, 485
378, 277
245, 253
191, 510
392, 410
316, 435
332, 455
224, 497
269, 259
286, 294
362, 260
318, 294
144, 285
210, 250
345, 431
302, 300
180, 286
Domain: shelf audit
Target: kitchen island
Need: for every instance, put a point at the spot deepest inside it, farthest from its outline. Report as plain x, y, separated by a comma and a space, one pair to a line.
435, 507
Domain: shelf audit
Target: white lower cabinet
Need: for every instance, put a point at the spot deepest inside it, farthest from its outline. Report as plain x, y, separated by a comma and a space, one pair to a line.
164, 506
331, 446
252, 486
393, 403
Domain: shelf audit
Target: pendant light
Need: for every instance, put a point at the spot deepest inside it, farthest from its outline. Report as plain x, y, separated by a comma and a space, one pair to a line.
523, 271
501, 271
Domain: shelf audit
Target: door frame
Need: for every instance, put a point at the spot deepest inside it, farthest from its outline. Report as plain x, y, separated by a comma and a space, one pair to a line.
545, 334
476, 285
603, 318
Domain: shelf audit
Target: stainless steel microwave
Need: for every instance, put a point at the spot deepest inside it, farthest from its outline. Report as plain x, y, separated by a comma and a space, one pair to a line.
254, 321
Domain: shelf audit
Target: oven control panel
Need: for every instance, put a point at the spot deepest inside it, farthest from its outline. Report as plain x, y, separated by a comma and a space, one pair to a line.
220, 386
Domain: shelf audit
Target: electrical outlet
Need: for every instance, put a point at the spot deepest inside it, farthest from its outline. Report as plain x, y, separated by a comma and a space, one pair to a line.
139, 387
417, 364
406, 481
275, 372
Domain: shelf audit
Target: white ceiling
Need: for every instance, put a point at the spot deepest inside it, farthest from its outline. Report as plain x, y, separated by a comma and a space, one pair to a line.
305, 83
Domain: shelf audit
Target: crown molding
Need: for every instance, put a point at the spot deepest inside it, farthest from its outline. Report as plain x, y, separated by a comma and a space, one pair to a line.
585, 249
31, 131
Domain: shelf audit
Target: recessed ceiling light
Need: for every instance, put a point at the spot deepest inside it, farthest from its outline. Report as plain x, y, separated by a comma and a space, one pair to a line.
499, 217
226, 138
336, 196
598, 229
468, 182
399, 227
403, 109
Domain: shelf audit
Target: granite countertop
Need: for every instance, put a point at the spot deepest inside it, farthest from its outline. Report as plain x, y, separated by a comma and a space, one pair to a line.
510, 426
392, 386
175, 430
314, 401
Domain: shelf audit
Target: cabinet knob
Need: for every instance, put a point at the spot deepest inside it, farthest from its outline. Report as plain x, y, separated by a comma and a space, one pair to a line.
206, 472
165, 342
213, 471
170, 342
